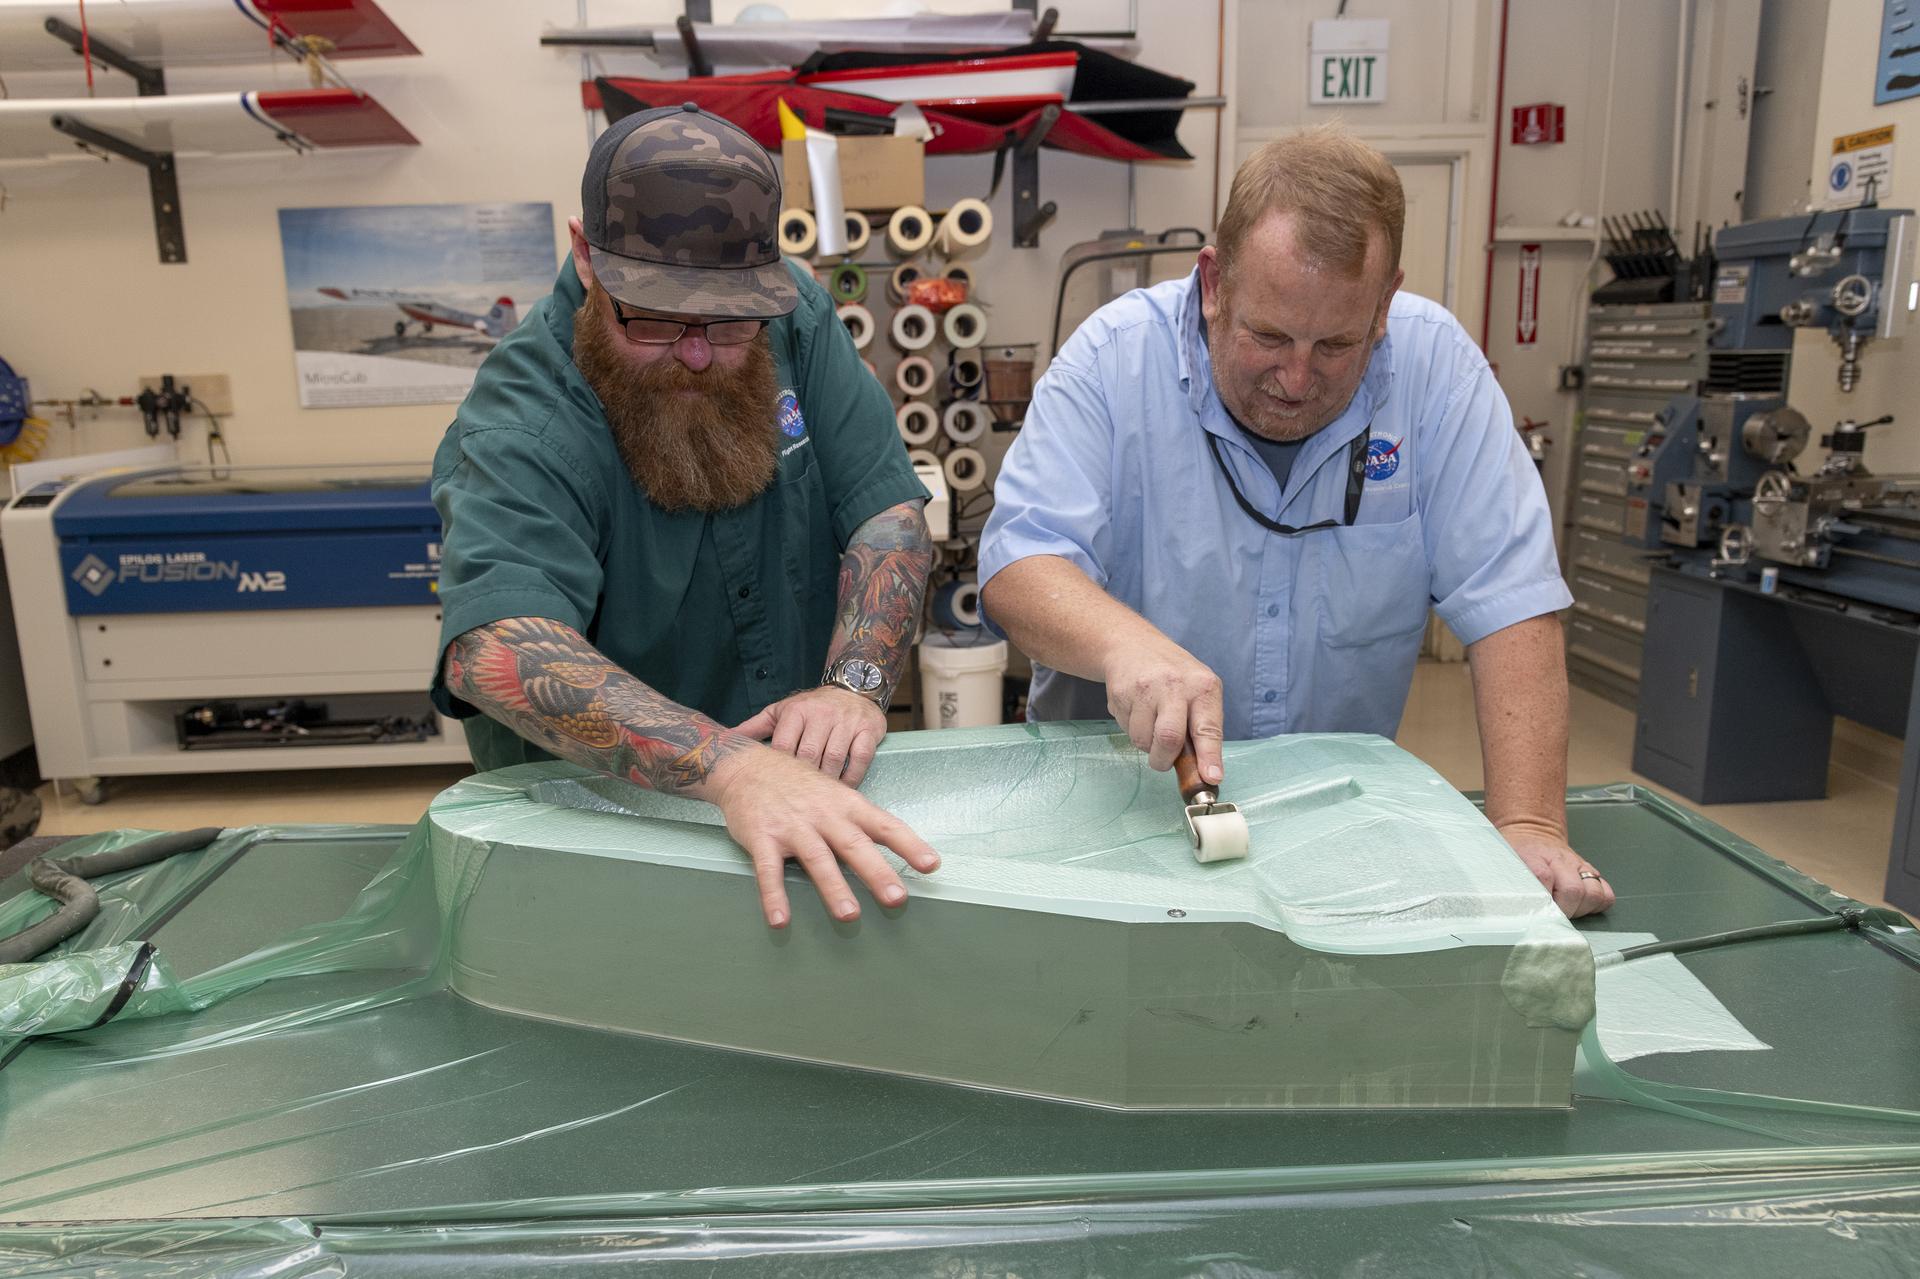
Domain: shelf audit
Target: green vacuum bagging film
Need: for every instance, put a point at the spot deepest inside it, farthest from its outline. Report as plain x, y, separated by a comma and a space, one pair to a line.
1380, 946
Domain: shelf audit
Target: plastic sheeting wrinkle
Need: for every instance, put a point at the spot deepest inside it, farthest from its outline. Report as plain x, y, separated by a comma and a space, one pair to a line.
427, 1161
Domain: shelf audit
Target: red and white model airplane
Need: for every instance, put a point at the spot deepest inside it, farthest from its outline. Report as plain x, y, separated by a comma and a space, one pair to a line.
503, 319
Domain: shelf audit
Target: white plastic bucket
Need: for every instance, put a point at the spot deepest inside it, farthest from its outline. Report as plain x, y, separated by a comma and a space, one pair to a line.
960, 679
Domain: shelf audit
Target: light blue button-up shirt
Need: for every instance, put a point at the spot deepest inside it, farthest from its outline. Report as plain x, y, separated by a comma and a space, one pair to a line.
1317, 632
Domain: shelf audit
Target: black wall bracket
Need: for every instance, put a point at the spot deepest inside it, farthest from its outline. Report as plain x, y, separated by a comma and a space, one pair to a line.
1030, 215
162, 181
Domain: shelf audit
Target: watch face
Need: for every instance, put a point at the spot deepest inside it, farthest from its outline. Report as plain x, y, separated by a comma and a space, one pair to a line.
859, 675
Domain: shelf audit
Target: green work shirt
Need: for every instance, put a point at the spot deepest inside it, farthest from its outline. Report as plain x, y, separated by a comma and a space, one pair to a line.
725, 613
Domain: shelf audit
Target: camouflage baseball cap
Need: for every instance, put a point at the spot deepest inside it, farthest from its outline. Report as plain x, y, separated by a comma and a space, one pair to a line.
681, 211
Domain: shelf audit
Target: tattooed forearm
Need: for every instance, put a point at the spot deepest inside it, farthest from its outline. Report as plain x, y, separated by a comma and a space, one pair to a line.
883, 577
546, 682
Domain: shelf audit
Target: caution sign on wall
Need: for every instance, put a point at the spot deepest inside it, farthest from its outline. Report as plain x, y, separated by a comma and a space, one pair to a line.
1861, 164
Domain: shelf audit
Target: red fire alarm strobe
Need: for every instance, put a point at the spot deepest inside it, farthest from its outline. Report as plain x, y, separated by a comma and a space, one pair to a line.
1539, 122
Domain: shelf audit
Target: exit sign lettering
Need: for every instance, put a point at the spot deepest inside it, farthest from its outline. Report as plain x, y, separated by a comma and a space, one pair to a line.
1348, 61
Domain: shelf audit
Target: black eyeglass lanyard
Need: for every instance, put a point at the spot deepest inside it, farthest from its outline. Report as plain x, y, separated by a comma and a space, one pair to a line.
1356, 480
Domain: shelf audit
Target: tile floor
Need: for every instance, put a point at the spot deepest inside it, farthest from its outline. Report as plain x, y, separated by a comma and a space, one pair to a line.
1841, 840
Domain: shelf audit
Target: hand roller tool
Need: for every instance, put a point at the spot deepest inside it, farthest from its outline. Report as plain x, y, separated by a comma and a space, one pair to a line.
1218, 830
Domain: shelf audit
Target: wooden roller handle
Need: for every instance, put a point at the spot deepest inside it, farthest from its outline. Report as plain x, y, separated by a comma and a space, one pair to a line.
1186, 770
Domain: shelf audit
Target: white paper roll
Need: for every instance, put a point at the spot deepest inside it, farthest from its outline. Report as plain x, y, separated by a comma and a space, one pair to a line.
965, 229
966, 325
798, 232
903, 275
918, 422
914, 375
859, 322
966, 372
914, 328
909, 230
823, 168
964, 421
924, 457
966, 470
859, 231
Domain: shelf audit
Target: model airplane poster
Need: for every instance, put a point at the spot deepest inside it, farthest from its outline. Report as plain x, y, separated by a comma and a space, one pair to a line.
399, 304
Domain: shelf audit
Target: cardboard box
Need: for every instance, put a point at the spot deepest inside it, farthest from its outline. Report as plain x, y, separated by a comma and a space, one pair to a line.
875, 173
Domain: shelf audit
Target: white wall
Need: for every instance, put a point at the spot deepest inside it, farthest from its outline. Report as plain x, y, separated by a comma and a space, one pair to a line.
1786, 105
1442, 88
85, 303
1889, 371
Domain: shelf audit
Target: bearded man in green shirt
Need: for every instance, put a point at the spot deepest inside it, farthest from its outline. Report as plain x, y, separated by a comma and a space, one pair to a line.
675, 495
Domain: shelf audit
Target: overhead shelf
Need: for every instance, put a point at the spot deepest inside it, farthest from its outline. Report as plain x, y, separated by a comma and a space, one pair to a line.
41, 129
199, 33
152, 129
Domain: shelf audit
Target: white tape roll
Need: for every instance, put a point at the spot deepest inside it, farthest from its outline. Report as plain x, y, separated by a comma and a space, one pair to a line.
859, 322
960, 273
859, 231
798, 232
966, 470
965, 229
918, 422
914, 375
914, 328
903, 275
924, 457
966, 371
964, 421
909, 230
966, 325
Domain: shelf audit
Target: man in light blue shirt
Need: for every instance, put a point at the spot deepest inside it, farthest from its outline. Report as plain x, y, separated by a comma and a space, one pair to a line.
1237, 495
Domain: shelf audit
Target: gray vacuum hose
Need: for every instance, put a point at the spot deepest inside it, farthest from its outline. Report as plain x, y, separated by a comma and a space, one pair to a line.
66, 882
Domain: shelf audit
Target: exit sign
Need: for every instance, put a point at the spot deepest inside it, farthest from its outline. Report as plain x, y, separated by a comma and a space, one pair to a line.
1348, 62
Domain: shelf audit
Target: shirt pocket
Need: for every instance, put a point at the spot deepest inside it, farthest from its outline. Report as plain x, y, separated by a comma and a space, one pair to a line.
1372, 583
799, 492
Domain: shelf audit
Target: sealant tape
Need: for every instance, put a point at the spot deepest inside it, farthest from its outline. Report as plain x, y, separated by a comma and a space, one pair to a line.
859, 231
909, 230
965, 372
924, 457
964, 421
848, 283
966, 325
965, 229
966, 469
798, 232
903, 275
859, 322
962, 274
914, 328
956, 606
914, 375
917, 421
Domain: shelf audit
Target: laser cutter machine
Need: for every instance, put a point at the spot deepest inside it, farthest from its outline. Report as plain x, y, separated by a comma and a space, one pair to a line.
171, 618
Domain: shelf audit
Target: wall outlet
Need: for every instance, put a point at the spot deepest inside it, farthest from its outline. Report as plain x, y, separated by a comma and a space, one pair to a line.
215, 390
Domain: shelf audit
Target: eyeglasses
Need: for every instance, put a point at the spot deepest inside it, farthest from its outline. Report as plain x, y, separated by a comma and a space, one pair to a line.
649, 331
1356, 482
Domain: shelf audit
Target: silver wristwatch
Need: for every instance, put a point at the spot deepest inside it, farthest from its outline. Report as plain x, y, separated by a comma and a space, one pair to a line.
857, 675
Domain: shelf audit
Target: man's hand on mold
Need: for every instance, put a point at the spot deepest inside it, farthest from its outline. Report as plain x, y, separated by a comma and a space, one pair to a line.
779, 808
1577, 887
831, 728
